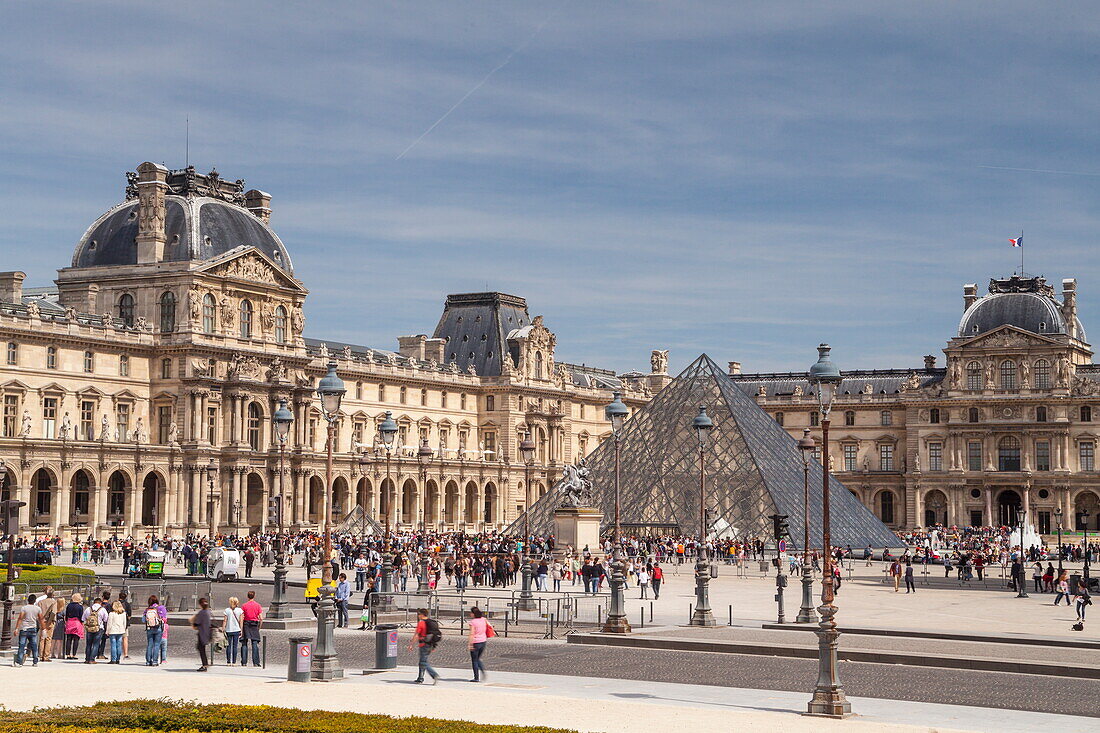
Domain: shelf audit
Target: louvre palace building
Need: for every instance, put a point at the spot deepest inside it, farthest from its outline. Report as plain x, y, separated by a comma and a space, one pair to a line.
138, 390
1010, 422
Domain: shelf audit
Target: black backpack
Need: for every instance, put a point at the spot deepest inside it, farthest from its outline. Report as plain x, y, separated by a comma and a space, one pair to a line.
432, 633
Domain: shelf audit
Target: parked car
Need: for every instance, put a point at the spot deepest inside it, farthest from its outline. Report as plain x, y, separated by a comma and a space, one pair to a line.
28, 556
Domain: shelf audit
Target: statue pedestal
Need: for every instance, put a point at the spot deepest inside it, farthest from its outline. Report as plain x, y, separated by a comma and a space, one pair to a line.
577, 527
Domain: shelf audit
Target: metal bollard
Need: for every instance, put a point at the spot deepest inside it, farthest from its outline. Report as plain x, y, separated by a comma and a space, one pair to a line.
651, 612
506, 615
642, 614
301, 658
691, 612
263, 643
731, 615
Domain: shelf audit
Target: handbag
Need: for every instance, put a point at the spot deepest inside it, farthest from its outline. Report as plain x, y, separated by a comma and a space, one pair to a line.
218, 639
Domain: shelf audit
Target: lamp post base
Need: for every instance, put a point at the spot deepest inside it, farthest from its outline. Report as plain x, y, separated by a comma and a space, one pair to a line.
278, 608
616, 622
702, 616
526, 601
806, 614
326, 666
828, 700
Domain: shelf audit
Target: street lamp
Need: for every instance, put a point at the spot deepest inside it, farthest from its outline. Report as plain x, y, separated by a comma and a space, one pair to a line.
330, 390
526, 601
829, 699
1058, 517
388, 432
282, 419
702, 425
1021, 578
211, 499
1085, 522
9, 525
423, 456
806, 614
616, 413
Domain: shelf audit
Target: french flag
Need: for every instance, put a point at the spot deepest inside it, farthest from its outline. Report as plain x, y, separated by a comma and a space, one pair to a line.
1018, 241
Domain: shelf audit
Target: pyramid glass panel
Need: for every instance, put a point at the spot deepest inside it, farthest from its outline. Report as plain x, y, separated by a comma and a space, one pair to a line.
753, 469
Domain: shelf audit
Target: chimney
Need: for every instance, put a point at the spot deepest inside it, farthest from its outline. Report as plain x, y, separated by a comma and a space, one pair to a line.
1069, 306
735, 368
152, 185
412, 346
930, 361
435, 349
11, 286
259, 203
970, 295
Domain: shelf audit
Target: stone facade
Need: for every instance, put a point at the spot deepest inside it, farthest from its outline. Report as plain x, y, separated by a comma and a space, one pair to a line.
137, 394
1012, 420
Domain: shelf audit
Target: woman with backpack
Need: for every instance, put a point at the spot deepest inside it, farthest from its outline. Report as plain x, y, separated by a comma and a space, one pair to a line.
480, 633
153, 632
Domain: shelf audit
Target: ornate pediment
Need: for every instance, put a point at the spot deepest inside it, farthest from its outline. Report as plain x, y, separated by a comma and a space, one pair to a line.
1007, 337
252, 265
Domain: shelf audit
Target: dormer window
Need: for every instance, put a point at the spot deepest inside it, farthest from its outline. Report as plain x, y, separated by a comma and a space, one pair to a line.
1042, 325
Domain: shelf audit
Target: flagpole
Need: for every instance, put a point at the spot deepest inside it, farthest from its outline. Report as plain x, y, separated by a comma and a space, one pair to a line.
1022, 274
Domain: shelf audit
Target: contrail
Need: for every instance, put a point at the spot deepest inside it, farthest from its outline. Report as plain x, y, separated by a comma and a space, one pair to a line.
484, 79
1040, 170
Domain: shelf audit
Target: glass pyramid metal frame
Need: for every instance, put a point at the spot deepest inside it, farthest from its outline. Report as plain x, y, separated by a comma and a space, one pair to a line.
754, 470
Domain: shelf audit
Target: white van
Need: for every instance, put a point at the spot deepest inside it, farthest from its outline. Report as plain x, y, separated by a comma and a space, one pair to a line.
223, 563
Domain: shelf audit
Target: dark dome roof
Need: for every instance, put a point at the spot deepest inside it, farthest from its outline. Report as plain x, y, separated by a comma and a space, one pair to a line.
1035, 312
198, 228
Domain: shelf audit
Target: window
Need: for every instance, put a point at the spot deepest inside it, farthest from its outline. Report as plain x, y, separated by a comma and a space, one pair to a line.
126, 310
13, 353
1086, 452
1042, 374
403, 395
423, 398
123, 366
974, 455
381, 393
89, 362
122, 417
42, 500
164, 423
443, 399
974, 375
116, 493
167, 312
11, 415
313, 432
850, 457
166, 368
403, 435
51, 357
358, 390
49, 417
462, 401
490, 403
886, 507
87, 420
212, 425
886, 418
280, 325
1008, 454
816, 452
1086, 413
1040, 414
490, 446
81, 491
255, 419
935, 456
815, 418
886, 457
850, 417
246, 319
779, 418
934, 415
972, 414
209, 311
356, 435
538, 365
1008, 374
581, 407
1042, 455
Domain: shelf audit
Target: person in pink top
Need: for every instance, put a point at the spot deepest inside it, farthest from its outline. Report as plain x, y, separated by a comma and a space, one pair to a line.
252, 615
480, 632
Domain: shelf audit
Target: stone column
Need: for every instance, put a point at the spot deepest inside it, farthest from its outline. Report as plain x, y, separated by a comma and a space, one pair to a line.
918, 507
988, 506
234, 495
62, 515
194, 511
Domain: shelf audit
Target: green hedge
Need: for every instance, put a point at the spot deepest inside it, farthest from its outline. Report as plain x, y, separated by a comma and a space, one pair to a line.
37, 577
146, 716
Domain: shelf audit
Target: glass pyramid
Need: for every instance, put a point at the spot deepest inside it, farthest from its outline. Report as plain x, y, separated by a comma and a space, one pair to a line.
753, 470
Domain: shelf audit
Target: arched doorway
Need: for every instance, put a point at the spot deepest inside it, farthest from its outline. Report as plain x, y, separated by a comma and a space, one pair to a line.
450, 503
340, 499
490, 513
431, 508
118, 488
254, 508
1086, 501
935, 508
316, 499
150, 498
7, 484
408, 502
388, 504
471, 503
364, 494
1008, 502
42, 503
80, 509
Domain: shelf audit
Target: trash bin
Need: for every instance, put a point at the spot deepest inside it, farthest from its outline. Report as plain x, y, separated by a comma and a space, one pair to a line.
301, 659
1074, 581
385, 646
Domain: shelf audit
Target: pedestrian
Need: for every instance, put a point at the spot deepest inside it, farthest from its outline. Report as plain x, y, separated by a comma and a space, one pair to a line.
1062, 588
895, 573
94, 619
153, 633
1083, 599
48, 604
27, 625
123, 598
1037, 577
426, 637
116, 629
360, 566
253, 614
480, 632
249, 561
643, 580
556, 575
343, 596
909, 586
200, 622
232, 627
656, 580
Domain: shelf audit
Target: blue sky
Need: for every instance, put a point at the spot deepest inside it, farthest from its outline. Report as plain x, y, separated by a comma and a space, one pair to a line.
745, 179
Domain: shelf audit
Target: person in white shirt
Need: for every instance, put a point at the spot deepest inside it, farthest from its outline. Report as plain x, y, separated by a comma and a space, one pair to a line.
232, 627
116, 629
643, 580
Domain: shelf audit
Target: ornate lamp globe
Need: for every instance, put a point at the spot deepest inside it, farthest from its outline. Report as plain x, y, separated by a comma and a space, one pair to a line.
331, 390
